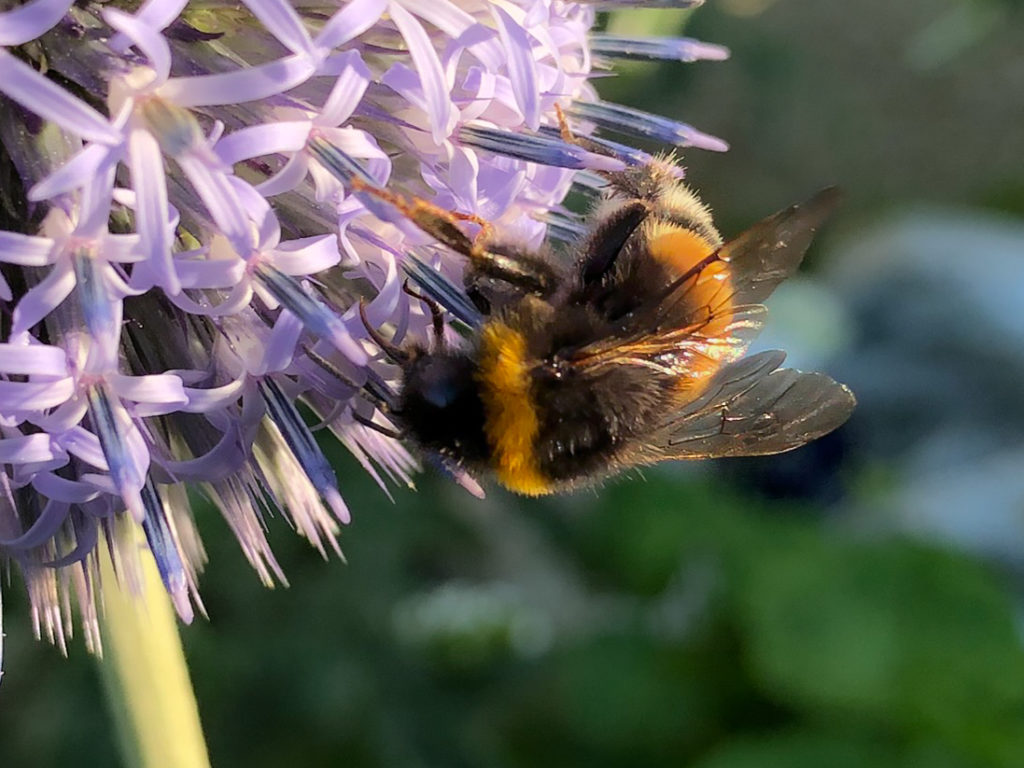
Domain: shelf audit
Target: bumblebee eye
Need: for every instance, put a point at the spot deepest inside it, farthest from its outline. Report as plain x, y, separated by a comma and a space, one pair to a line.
440, 394
439, 381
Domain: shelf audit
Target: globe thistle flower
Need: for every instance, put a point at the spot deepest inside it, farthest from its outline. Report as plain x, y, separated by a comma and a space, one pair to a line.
182, 250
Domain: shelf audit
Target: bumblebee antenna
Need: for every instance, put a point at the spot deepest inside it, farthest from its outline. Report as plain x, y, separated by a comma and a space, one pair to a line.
393, 351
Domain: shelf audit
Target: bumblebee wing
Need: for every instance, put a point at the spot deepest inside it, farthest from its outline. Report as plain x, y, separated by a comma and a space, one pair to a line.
708, 316
753, 408
744, 271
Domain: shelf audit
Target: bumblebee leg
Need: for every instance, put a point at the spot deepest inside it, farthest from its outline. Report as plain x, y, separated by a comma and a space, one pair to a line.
436, 315
432, 219
368, 421
504, 263
393, 351
571, 138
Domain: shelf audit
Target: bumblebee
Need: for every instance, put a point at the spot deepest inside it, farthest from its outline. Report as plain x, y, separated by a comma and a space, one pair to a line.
631, 353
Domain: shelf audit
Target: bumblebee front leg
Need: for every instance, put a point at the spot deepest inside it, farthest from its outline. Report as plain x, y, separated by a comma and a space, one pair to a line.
522, 271
436, 314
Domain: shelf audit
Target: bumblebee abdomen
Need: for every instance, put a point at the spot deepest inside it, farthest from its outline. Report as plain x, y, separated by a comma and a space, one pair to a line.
548, 432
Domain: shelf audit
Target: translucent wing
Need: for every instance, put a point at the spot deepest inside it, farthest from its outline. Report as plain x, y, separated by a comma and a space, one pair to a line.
753, 408
748, 268
708, 316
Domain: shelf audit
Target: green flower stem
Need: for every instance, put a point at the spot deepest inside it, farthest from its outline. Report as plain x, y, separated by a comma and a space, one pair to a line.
145, 674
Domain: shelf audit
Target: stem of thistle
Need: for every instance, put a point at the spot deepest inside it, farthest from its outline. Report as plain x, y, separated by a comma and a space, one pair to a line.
145, 674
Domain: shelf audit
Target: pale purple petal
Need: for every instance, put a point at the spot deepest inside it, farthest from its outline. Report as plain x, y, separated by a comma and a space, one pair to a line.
33, 360
122, 248
521, 68
85, 445
259, 212
455, 22
348, 90
97, 196
281, 345
27, 396
350, 22
224, 459
28, 449
389, 294
264, 139
288, 178
42, 530
42, 299
203, 400
31, 20
221, 200
281, 20
152, 209
358, 144
239, 297
212, 273
48, 100
240, 86
152, 395
26, 250
61, 489
431, 76
144, 37
76, 172
308, 255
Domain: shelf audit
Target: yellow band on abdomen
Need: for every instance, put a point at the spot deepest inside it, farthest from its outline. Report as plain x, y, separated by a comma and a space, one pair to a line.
511, 421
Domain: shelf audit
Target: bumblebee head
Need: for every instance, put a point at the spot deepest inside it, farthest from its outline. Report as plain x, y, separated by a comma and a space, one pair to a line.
440, 402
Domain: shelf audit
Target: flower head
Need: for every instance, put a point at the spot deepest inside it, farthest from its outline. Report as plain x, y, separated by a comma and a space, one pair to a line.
184, 267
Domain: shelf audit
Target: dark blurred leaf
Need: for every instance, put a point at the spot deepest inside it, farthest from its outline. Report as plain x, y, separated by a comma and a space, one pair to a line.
817, 750
889, 632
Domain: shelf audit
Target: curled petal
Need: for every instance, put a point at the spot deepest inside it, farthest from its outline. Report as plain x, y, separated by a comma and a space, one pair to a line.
522, 69
436, 100
264, 139
152, 395
28, 396
29, 449
41, 95
145, 37
25, 250
281, 20
61, 489
204, 400
31, 20
350, 22
38, 360
308, 255
152, 209
250, 84
42, 530
348, 89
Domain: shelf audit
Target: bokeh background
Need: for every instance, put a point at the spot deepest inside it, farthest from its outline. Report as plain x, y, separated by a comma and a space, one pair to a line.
854, 603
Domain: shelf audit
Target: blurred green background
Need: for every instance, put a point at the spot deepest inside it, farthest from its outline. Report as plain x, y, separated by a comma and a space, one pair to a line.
855, 603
